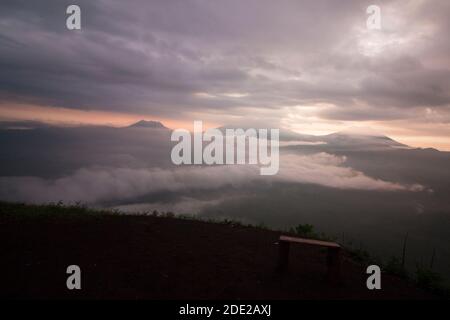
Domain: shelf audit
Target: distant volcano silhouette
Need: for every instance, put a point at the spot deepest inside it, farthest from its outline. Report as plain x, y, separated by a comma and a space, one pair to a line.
148, 124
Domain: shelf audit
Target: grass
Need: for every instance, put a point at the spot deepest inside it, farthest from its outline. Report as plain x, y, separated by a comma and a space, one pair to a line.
430, 280
31, 211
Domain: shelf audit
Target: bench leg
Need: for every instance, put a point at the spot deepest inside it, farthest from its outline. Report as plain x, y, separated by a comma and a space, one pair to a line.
334, 265
283, 256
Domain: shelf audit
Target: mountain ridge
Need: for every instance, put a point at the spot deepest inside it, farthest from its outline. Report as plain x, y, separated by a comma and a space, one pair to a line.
148, 124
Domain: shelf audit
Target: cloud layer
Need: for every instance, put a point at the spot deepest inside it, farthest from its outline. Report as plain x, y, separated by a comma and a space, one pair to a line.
223, 60
95, 186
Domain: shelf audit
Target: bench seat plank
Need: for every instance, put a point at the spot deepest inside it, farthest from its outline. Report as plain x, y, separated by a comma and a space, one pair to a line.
310, 241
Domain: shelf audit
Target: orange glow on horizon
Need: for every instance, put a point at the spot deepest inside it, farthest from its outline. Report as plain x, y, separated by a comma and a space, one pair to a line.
415, 136
75, 117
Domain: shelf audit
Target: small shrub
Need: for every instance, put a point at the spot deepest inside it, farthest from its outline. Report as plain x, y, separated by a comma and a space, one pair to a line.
262, 225
231, 222
360, 255
155, 213
304, 230
427, 278
394, 266
169, 214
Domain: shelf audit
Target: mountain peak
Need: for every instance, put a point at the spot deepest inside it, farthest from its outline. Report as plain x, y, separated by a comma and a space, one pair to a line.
362, 139
148, 124
358, 131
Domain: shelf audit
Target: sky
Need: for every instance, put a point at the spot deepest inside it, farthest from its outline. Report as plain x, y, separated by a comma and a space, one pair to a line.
309, 66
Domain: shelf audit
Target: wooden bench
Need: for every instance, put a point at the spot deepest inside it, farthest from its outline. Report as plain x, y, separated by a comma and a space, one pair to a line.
333, 255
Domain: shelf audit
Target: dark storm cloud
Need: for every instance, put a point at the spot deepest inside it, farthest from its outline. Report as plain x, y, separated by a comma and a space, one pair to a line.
170, 57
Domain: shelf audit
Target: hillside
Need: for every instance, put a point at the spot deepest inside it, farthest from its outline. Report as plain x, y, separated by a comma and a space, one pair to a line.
150, 257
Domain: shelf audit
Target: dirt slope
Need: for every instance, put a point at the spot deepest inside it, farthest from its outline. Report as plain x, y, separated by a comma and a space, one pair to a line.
138, 257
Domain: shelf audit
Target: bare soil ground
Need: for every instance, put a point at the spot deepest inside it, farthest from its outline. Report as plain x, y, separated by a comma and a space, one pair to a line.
144, 257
